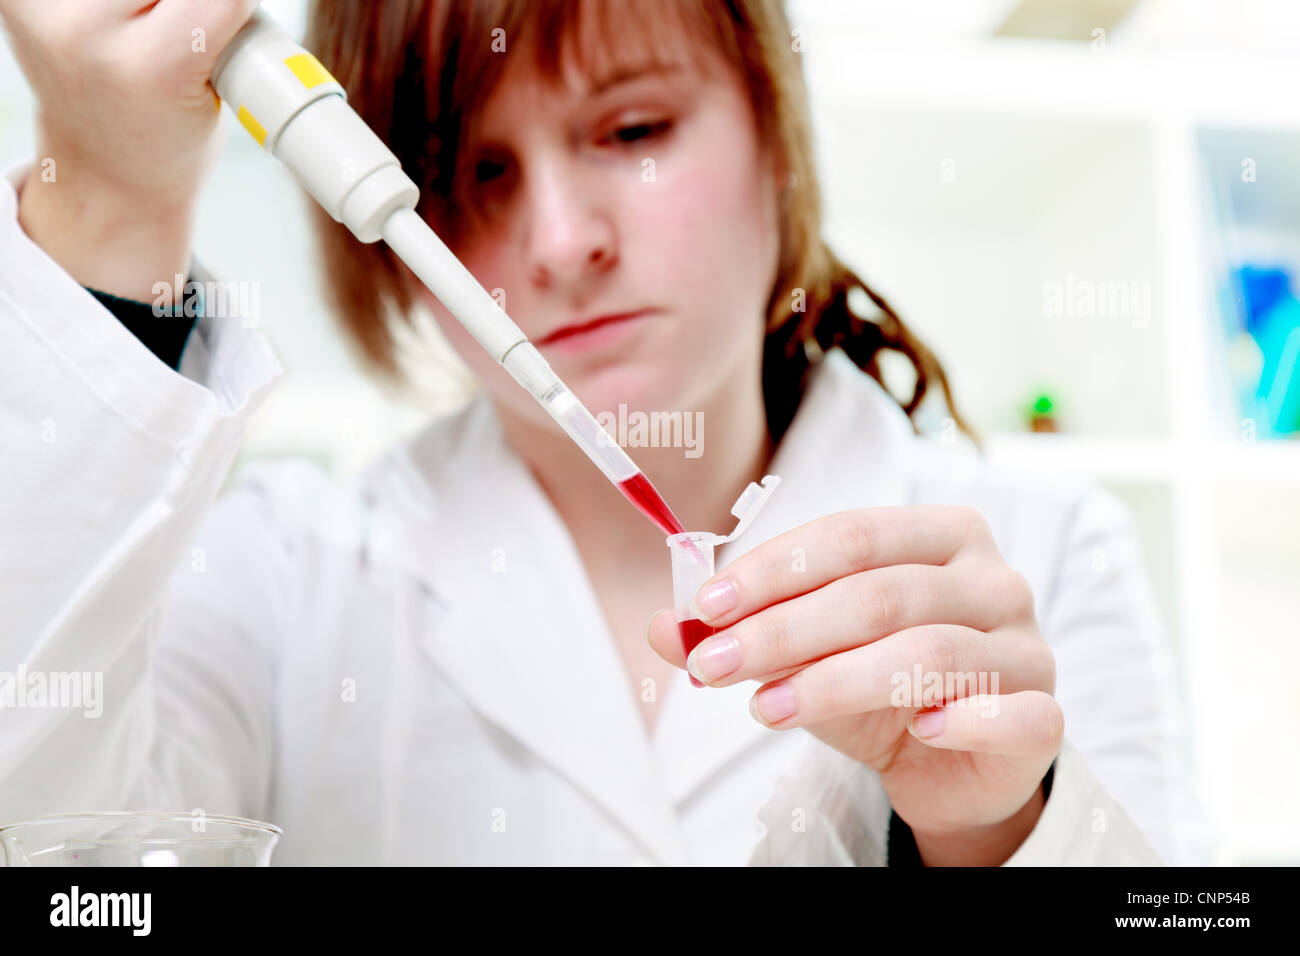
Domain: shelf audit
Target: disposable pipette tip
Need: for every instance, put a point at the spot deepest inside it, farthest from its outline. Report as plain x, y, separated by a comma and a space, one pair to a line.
650, 503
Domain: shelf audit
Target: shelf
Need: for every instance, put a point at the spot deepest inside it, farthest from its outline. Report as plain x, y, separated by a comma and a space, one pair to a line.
1258, 462
1062, 79
1158, 460
1098, 458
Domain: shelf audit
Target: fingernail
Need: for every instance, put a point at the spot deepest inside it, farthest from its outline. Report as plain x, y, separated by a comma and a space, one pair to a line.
716, 599
774, 704
714, 659
927, 725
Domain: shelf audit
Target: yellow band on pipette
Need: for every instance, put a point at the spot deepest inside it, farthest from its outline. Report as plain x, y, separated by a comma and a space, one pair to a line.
308, 69
254, 128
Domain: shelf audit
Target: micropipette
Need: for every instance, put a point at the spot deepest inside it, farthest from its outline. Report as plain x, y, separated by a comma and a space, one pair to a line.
298, 112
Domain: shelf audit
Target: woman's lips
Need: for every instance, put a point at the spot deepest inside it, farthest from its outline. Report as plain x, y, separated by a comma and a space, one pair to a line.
589, 335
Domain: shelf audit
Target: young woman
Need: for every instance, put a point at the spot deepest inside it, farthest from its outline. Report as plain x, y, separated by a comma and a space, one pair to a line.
449, 660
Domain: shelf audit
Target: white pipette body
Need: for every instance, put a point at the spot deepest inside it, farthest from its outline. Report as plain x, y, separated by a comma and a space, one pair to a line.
296, 111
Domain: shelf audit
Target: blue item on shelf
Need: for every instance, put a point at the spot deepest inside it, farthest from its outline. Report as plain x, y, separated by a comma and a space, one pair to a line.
1272, 315
1262, 288
1279, 381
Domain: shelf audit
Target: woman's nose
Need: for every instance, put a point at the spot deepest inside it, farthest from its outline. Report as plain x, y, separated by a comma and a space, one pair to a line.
570, 234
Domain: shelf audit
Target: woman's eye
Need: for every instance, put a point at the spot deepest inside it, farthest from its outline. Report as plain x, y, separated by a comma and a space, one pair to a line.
487, 170
638, 132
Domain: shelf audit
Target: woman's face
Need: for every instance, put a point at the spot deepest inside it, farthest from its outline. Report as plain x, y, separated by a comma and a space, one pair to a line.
647, 193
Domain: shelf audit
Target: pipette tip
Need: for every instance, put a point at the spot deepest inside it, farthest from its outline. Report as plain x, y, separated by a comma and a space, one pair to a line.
650, 503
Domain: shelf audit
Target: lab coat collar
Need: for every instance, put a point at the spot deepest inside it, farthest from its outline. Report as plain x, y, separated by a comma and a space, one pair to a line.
456, 509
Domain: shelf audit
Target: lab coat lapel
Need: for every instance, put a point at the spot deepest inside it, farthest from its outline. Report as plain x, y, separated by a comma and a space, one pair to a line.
512, 618
847, 447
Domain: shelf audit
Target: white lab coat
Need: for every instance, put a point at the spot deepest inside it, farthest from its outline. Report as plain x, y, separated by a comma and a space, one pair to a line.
412, 667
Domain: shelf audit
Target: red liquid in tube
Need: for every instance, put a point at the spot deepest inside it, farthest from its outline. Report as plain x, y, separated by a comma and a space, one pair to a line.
693, 631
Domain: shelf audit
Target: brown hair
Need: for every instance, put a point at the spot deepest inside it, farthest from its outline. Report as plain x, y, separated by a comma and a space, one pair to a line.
419, 72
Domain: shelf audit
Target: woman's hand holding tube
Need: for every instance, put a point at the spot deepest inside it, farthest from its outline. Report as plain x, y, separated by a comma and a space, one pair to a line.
900, 637
125, 127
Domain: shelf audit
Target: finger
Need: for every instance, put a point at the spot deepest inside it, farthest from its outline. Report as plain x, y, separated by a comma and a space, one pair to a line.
857, 610
665, 638
920, 667
666, 641
924, 666
812, 555
1027, 724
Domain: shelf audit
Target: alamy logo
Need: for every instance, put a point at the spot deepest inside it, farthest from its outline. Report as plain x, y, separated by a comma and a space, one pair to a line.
102, 909
957, 688
210, 299
68, 690
1077, 298
653, 430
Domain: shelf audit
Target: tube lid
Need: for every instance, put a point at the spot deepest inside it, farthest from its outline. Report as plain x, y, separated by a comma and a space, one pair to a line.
749, 503
746, 508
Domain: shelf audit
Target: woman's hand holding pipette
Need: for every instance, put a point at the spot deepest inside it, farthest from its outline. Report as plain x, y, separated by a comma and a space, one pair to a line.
124, 130
904, 640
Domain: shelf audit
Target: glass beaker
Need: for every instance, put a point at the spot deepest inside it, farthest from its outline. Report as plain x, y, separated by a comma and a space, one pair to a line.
137, 838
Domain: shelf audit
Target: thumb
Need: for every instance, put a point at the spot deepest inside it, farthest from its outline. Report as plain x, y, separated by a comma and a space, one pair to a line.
1027, 724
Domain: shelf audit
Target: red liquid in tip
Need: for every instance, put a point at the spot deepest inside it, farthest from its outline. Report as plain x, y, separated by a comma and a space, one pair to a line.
650, 503
693, 631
